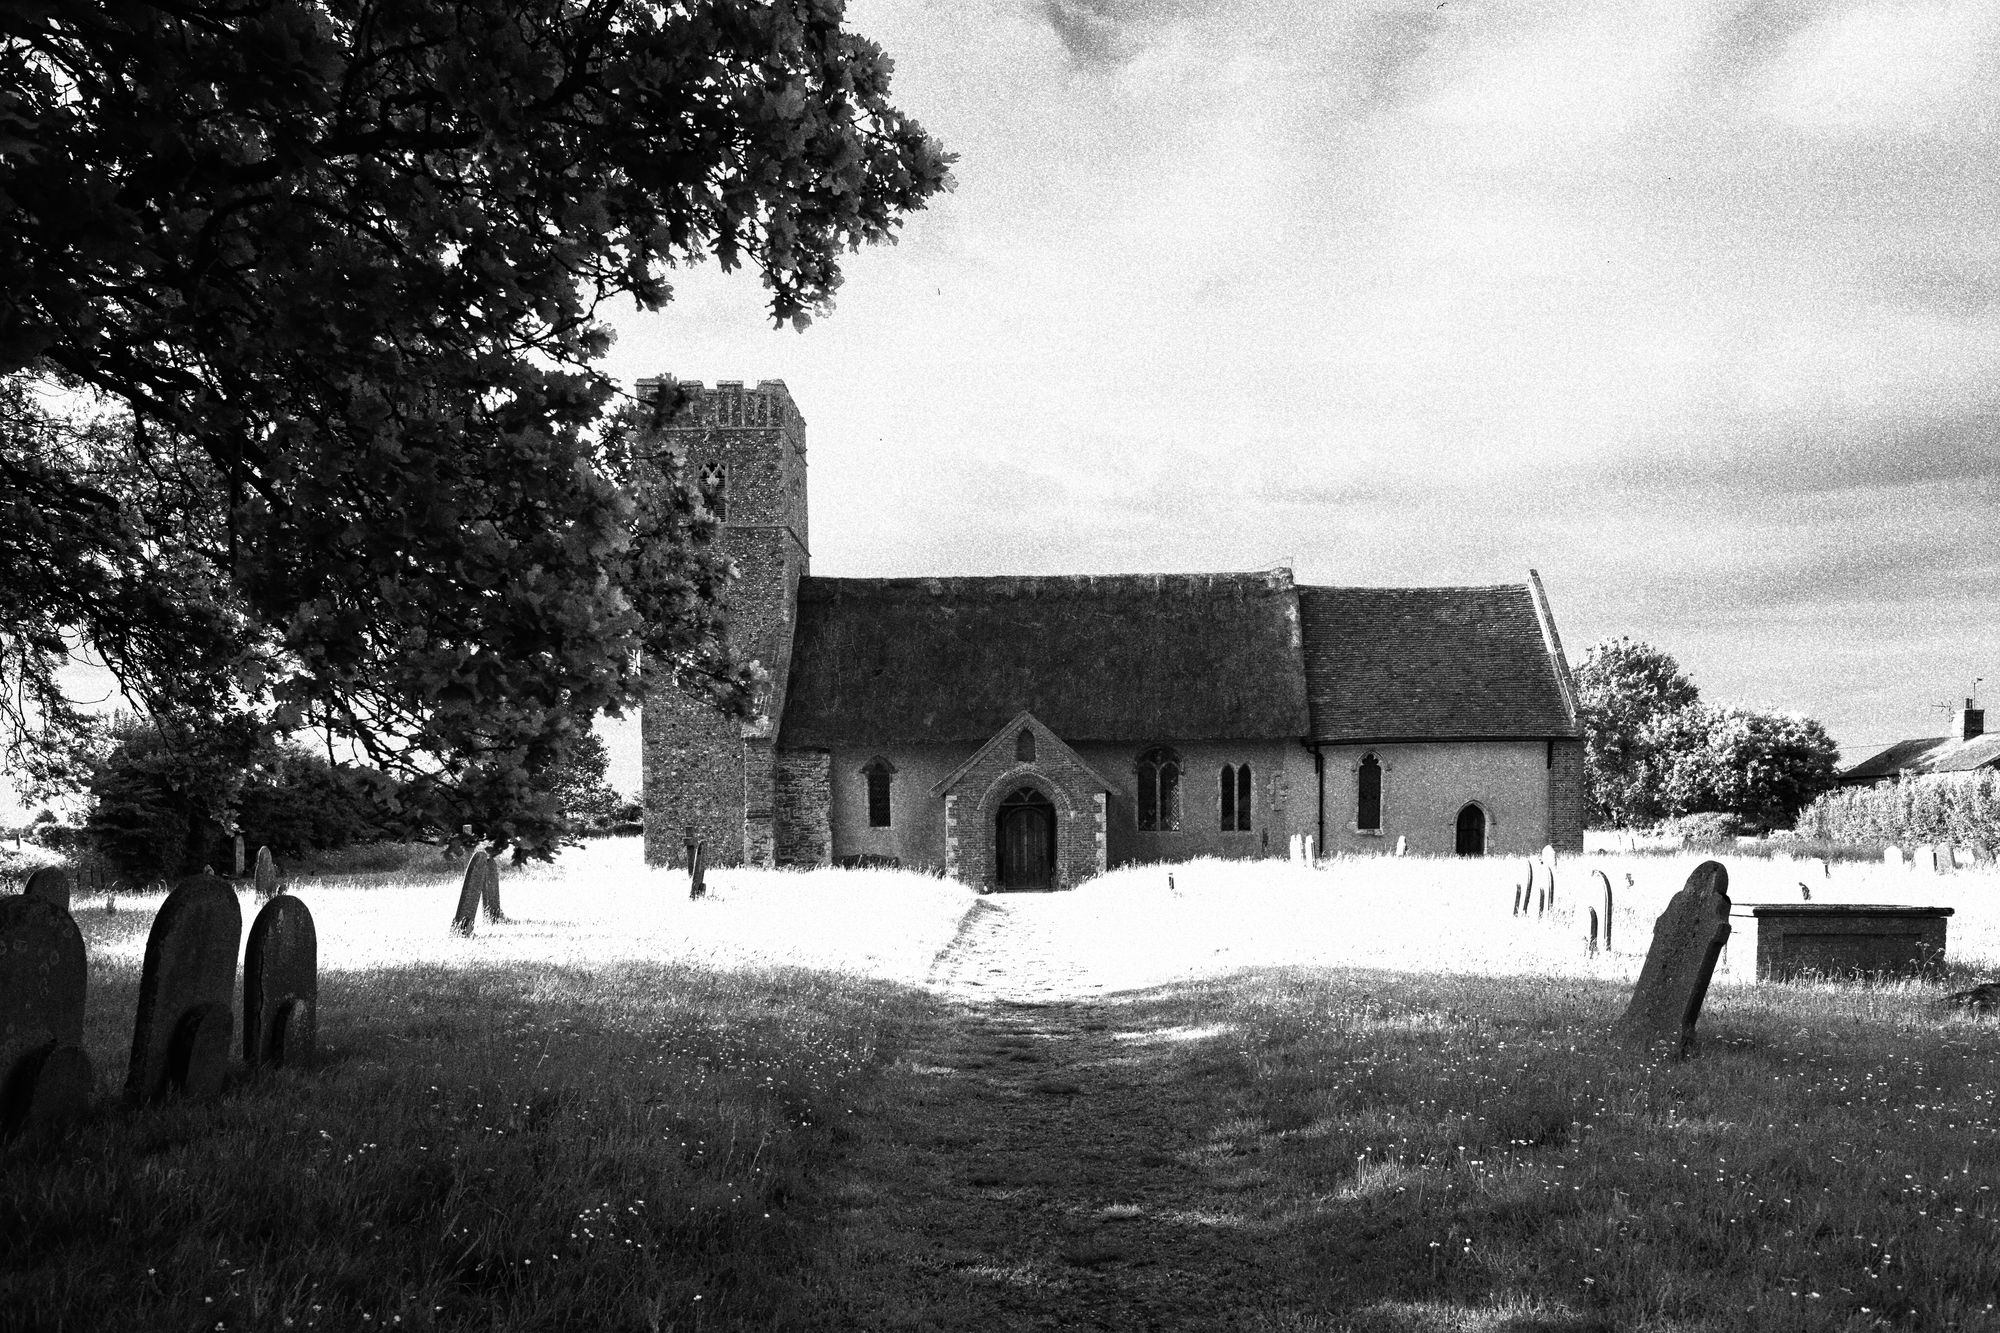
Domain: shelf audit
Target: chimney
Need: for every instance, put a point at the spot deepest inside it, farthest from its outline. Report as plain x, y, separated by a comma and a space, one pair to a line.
1971, 722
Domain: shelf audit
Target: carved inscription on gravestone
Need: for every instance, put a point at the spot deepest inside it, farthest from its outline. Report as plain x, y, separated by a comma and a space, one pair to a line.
281, 985
1687, 940
44, 1075
180, 1040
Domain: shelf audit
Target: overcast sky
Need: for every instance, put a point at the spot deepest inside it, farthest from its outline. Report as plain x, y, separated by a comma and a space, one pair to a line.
1690, 307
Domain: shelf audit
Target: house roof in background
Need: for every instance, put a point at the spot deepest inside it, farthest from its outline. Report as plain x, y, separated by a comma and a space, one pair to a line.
1094, 658
1430, 664
1966, 756
1903, 756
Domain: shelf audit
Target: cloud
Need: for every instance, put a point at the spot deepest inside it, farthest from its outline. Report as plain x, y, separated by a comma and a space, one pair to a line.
1097, 32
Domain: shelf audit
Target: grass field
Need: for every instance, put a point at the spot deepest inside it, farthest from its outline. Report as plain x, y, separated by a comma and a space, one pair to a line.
1362, 1096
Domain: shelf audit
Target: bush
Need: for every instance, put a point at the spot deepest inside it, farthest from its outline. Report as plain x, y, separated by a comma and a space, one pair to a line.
1709, 829
1959, 808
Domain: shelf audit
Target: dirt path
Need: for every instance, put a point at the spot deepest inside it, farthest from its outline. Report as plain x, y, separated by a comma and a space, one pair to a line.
1047, 1161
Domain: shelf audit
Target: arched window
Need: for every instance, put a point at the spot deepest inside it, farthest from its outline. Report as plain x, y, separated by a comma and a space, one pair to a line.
1160, 790
1235, 794
1024, 747
715, 490
878, 771
1368, 795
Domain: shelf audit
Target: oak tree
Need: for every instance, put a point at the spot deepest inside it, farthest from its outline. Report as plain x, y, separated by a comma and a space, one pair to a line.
300, 413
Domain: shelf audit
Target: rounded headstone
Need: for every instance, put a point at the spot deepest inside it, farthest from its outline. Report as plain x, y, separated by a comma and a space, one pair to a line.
1687, 940
280, 976
185, 991
266, 877
50, 884
43, 976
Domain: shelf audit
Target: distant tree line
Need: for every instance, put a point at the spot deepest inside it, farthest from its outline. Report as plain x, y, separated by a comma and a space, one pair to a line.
1655, 750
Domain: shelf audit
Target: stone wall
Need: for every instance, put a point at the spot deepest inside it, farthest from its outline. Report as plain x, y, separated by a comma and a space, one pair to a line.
753, 441
1566, 804
1426, 783
803, 807
1058, 773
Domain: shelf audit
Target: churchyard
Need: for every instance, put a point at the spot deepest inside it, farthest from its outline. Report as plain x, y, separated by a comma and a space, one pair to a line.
1367, 1095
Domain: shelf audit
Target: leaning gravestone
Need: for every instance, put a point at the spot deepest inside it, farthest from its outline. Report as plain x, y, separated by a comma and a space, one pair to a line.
489, 891
44, 1075
1687, 939
1604, 883
267, 873
50, 884
470, 891
180, 1041
697, 871
281, 985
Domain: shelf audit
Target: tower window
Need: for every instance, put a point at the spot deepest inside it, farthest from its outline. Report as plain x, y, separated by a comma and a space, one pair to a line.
715, 490
1159, 772
1024, 747
1368, 795
878, 772
1235, 798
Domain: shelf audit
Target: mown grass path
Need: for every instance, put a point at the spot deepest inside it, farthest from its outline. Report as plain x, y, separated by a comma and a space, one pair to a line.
1050, 1164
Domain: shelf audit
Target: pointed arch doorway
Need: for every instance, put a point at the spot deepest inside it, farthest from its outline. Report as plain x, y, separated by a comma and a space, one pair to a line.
1471, 839
1025, 840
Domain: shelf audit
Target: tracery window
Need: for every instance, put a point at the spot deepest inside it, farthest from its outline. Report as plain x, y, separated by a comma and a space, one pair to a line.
1159, 772
1368, 795
878, 771
1235, 791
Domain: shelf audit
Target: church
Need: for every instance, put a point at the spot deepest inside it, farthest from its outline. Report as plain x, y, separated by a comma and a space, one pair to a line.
1030, 732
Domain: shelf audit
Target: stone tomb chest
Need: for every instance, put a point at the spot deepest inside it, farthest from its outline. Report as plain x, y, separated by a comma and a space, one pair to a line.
1848, 939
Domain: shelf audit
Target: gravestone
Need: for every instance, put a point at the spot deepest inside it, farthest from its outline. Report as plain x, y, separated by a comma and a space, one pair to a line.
1921, 857
489, 891
1549, 855
281, 986
180, 1040
1687, 939
267, 873
1892, 855
1402, 844
237, 842
1550, 875
697, 871
1295, 849
50, 884
1309, 849
470, 891
1604, 883
1517, 900
44, 1075
1593, 930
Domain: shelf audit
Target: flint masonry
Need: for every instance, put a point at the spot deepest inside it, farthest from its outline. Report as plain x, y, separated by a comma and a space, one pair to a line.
1028, 732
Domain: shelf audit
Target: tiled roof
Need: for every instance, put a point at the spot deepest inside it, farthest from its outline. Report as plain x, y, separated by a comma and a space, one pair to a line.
1902, 757
1979, 752
1430, 664
1112, 658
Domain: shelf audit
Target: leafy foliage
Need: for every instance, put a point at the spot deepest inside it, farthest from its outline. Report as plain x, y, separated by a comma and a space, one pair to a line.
298, 413
587, 800
1626, 690
1958, 808
1654, 750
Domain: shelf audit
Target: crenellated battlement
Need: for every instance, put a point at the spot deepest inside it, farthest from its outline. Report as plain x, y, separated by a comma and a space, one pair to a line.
729, 406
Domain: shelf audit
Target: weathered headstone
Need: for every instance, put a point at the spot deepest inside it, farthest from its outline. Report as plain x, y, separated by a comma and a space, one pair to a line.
1309, 849
1402, 845
50, 884
238, 845
489, 891
1687, 940
1922, 857
44, 1075
1892, 855
1604, 883
1517, 900
281, 985
1549, 855
1295, 849
267, 873
1593, 930
697, 871
1551, 877
470, 891
180, 1040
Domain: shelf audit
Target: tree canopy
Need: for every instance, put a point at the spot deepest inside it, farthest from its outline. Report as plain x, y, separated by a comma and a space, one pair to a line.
1654, 749
299, 321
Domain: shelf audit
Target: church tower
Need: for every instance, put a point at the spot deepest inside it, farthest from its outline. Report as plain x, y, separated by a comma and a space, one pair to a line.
705, 771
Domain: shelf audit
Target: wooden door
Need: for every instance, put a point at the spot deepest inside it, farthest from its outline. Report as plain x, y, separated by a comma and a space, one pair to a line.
1472, 831
1026, 841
